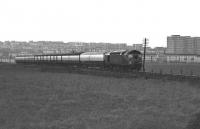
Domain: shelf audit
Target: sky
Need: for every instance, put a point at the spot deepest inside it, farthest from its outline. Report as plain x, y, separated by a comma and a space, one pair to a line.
114, 21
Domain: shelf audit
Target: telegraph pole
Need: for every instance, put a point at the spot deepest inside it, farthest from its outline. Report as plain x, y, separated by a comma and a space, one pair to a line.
145, 45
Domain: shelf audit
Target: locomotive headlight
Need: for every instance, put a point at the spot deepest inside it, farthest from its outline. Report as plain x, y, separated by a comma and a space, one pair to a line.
130, 56
130, 59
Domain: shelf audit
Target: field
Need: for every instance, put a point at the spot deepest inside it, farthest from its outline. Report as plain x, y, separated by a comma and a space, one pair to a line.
31, 99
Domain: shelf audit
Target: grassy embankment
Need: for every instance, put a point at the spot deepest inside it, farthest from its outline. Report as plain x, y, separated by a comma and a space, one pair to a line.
30, 99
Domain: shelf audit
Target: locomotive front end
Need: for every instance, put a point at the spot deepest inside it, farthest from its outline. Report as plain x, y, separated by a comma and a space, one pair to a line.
134, 58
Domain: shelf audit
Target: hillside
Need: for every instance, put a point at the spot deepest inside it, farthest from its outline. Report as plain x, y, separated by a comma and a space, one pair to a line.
31, 99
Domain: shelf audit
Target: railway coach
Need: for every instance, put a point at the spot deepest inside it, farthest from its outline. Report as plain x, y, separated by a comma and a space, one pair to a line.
125, 59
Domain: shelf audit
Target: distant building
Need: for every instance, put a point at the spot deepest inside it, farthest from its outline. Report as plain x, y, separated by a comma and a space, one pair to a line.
138, 47
177, 44
197, 45
183, 58
151, 57
160, 50
183, 49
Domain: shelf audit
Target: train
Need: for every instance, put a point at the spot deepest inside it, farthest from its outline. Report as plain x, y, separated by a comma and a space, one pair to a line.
123, 59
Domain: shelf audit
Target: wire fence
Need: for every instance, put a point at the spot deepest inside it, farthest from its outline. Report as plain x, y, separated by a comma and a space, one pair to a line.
188, 69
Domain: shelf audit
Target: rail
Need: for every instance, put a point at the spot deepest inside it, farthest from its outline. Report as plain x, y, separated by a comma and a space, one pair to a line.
121, 74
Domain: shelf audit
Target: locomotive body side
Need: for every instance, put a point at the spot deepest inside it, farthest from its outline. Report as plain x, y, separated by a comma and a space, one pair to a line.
117, 58
124, 59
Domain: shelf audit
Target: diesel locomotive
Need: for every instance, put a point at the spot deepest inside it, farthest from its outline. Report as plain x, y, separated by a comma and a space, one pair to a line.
125, 59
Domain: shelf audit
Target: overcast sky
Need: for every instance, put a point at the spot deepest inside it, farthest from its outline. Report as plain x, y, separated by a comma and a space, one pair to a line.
115, 21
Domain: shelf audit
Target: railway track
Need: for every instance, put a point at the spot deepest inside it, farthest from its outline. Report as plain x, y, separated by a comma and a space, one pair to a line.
119, 73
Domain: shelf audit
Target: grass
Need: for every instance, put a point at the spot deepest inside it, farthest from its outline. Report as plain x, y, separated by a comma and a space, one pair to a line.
31, 99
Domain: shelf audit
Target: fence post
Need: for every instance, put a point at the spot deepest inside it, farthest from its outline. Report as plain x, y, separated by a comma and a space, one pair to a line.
191, 72
161, 71
171, 72
181, 71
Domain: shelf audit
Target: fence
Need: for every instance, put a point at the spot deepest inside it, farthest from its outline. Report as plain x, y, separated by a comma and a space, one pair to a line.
188, 69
